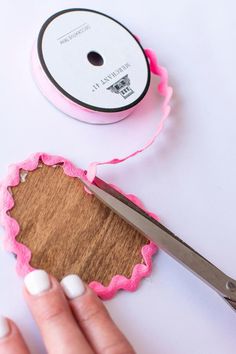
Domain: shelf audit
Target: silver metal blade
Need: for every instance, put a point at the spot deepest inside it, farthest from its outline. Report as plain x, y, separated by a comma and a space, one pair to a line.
165, 239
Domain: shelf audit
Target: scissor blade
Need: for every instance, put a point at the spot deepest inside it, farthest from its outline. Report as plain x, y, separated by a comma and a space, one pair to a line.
164, 238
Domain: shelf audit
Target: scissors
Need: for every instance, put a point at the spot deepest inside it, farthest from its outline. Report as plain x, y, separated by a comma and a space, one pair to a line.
165, 239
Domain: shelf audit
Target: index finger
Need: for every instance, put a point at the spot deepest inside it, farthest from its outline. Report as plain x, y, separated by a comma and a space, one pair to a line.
60, 331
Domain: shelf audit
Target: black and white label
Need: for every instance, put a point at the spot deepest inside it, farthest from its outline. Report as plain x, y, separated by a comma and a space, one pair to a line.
93, 60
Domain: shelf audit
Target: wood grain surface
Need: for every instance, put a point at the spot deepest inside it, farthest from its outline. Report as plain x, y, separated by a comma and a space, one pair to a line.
70, 231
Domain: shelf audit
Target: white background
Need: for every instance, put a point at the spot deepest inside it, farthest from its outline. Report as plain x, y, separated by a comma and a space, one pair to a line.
188, 177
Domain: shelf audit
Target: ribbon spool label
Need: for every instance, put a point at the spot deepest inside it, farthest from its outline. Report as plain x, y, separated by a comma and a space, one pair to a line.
93, 60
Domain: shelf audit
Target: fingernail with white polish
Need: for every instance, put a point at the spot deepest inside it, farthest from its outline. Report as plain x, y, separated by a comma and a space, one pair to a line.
4, 327
73, 286
37, 282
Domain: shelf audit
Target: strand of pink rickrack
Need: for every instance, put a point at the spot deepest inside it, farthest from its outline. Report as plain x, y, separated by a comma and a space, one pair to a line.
166, 91
12, 227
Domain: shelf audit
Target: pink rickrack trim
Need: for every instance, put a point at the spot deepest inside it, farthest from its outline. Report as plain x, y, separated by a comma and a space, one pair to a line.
166, 91
24, 254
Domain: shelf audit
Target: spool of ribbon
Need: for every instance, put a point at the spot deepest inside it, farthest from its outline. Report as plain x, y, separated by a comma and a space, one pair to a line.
57, 82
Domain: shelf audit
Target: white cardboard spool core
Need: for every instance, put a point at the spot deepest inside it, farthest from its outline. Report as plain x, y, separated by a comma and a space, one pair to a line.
93, 60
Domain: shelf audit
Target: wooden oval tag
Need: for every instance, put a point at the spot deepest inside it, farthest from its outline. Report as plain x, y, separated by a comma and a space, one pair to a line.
52, 223
69, 231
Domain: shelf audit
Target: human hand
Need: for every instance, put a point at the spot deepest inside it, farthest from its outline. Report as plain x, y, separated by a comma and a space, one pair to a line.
71, 319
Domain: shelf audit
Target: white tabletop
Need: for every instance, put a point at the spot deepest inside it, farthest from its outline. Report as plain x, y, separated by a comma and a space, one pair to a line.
187, 178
